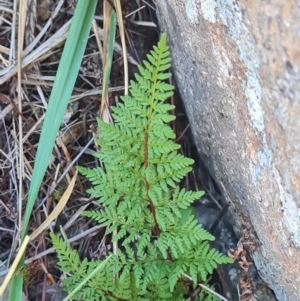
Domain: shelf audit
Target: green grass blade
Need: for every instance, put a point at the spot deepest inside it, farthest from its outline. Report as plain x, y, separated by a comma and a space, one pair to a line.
16, 289
60, 95
97, 269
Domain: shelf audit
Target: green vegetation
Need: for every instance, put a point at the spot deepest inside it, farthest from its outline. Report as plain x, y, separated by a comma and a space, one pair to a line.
143, 207
63, 86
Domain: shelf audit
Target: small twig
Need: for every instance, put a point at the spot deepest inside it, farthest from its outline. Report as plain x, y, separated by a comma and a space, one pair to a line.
5, 207
218, 218
122, 35
212, 197
149, 5
22, 14
98, 40
135, 11
13, 33
144, 23
238, 290
183, 132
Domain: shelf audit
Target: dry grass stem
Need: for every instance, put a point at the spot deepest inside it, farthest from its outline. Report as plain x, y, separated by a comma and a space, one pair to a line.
22, 17
144, 23
124, 48
30, 23
42, 52
35, 41
151, 6
135, 11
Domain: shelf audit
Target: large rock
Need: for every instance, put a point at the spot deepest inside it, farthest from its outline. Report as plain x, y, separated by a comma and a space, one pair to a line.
237, 67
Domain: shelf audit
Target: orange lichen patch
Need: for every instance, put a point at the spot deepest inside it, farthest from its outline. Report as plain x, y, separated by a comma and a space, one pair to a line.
252, 151
294, 176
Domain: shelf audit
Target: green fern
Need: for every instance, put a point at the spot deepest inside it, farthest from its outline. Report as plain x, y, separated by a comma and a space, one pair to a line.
159, 240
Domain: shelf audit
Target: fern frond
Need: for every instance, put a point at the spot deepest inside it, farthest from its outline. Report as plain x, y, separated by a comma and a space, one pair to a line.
79, 271
158, 235
204, 259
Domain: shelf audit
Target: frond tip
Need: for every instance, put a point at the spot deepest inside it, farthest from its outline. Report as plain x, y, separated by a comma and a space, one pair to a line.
141, 201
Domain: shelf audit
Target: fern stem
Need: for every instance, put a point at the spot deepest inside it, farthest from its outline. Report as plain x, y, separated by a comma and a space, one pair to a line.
156, 228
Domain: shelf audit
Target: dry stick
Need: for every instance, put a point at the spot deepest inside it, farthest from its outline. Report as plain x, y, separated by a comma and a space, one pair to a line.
41, 94
212, 197
135, 11
7, 158
6, 9
122, 34
117, 47
13, 32
98, 40
94, 92
218, 218
182, 133
30, 21
138, 3
22, 17
107, 16
144, 23
33, 129
238, 290
133, 48
149, 5
5, 62
74, 217
6, 51
3, 254
9, 212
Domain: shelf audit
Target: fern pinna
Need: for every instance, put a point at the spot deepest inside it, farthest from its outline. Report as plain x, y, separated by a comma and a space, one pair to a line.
142, 202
